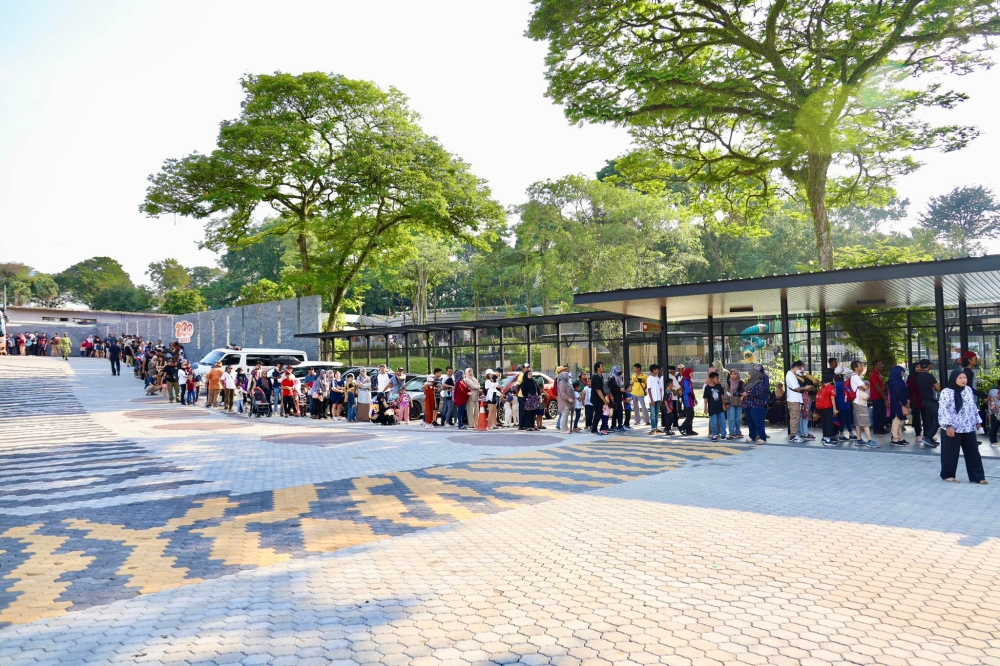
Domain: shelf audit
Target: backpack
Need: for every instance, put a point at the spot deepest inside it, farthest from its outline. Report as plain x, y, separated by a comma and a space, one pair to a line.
849, 393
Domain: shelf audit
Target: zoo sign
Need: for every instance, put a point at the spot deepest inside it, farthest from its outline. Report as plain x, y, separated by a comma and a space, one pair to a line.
183, 330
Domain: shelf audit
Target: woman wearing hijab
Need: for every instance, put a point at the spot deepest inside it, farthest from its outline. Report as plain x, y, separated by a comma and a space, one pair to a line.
899, 404
364, 384
529, 390
616, 382
688, 401
735, 391
566, 400
472, 406
959, 417
460, 396
756, 394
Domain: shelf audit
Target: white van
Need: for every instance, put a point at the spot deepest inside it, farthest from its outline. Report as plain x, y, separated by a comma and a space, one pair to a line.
248, 357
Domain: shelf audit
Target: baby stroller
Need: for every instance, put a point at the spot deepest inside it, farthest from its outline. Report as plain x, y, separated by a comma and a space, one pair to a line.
259, 404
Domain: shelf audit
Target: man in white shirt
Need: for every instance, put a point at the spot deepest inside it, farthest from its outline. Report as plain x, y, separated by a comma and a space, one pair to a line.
654, 391
228, 387
794, 391
862, 416
182, 377
382, 380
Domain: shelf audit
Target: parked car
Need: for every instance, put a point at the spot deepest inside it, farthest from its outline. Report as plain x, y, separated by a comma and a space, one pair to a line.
551, 406
302, 369
247, 358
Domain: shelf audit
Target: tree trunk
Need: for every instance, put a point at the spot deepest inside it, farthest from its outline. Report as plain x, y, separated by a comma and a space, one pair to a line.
336, 301
819, 164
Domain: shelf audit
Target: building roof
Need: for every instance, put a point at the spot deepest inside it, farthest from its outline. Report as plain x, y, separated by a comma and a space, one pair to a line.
467, 325
977, 279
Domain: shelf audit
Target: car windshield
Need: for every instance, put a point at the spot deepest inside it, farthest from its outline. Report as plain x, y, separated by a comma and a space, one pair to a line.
416, 383
213, 357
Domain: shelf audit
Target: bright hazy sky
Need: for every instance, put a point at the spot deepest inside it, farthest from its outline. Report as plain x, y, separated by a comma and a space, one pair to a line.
94, 95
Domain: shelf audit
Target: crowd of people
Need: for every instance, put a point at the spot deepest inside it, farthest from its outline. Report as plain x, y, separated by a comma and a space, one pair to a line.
848, 403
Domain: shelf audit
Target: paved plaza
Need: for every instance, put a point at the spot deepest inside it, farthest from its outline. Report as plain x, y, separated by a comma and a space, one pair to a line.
134, 531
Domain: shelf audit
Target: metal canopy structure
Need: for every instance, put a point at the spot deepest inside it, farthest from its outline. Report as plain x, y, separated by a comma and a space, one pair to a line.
575, 317
913, 285
974, 280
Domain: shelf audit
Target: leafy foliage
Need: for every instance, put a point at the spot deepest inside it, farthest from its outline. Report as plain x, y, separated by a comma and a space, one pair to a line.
263, 291
963, 217
182, 301
744, 96
168, 275
124, 298
85, 280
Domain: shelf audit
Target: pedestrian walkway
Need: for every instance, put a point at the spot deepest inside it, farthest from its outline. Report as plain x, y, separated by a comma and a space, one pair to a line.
432, 551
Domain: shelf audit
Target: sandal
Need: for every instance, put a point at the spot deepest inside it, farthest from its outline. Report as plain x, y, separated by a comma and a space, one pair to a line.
953, 480
984, 482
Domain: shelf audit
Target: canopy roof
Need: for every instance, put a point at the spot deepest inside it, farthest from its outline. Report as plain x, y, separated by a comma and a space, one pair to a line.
466, 325
977, 279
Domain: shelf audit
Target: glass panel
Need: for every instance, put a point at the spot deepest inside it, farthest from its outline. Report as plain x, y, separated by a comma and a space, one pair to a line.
489, 336
543, 358
462, 337
543, 333
465, 357
397, 351
441, 349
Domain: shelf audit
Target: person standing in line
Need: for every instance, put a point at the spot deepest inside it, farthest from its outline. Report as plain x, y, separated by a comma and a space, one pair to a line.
338, 395
796, 390
447, 396
598, 399
826, 405
472, 404
276, 376
714, 406
928, 386
616, 393
183, 372
993, 411
756, 395
577, 404
899, 403
214, 379
687, 402
170, 379
492, 388
734, 404
639, 382
430, 398
241, 390
654, 391
959, 416
566, 401
845, 397
115, 356
916, 404
588, 407
671, 418
862, 417
228, 388
459, 397
288, 406
879, 398
190, 393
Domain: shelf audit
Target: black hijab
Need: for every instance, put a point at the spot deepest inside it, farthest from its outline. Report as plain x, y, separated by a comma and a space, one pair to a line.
959, 390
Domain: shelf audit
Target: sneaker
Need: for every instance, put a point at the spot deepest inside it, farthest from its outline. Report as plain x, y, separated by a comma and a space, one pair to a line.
994, 444
829, 442
669, 433
810, 436
715, 438
843, 438
602, 432
930, 445
872, 444
759, 442
797, 440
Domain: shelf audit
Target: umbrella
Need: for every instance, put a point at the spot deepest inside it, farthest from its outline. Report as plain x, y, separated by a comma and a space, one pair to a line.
287, 360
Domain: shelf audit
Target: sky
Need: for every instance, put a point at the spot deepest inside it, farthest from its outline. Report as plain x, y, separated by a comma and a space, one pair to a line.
95, 95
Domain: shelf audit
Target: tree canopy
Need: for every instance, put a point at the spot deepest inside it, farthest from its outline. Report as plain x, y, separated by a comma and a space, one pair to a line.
747, 96
182, 301
962, 218
86, 279
168, 274
345, 165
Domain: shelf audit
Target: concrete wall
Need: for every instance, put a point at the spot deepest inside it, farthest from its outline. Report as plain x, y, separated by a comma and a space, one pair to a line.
260, 325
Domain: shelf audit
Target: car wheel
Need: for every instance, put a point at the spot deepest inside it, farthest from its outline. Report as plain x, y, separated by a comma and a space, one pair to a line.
415, 411
552, 409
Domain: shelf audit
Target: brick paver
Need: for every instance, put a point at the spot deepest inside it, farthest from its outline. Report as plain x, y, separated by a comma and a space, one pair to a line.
423, 554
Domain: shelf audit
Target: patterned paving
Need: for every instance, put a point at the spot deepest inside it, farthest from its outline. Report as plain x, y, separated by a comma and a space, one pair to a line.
80, 558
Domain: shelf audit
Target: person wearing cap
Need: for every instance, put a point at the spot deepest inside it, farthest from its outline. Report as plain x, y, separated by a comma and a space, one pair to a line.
288, 406
170, 377
491, 387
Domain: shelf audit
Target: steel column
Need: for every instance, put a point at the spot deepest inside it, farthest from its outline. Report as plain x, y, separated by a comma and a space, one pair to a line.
963, 324
823, 337
500, 362
942, 342
430, 352
909, 341
809, 344
527, 340
590, 345
368, 344
475, 351
711, 340
664, 342
406, 343
786, 349
558, 345
626, 365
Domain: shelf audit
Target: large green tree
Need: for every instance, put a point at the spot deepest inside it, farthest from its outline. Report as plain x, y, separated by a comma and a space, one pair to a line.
168, 275
816, 95
85, 280
182, 301
962, 218
264, 291
124, 298
345, 165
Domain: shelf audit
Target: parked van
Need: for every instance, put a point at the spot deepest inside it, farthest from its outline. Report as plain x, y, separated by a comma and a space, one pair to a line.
248, 357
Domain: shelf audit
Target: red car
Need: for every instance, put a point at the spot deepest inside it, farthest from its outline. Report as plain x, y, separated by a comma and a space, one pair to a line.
551, 407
